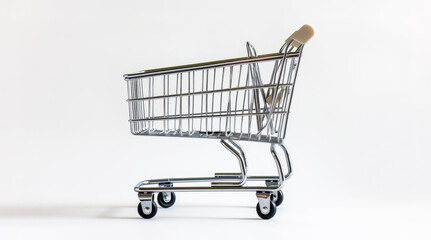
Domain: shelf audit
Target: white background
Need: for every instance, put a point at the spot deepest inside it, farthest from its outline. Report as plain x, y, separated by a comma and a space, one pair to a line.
359, 131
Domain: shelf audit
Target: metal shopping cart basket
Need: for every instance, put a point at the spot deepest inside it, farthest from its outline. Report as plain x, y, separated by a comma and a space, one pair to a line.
244, 99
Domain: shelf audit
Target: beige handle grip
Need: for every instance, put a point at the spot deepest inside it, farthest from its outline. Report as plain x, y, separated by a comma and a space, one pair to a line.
301, 36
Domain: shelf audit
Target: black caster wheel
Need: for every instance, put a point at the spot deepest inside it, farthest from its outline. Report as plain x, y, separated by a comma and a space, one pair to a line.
270, 214
279, 199
145, 214
166, 201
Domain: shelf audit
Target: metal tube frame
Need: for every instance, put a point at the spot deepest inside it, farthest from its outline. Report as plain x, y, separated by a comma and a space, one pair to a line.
226, 182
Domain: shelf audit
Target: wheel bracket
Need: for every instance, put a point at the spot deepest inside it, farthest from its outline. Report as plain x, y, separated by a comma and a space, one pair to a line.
146, 200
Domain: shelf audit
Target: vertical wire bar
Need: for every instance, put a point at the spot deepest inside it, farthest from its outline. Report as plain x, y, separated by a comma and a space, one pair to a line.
189, 104
202, 101
228, 110
135, 106
164, 103
134, 83
278, 108
142, 93
250, 105
168, 100
149, 103
221, 99
140, 88
134, 93
140, 113
193, 101
131, 107
181, 104
152, 102
236, 98
129, 96
212, 102
176, 103
254, 75
206, 104
243, 102
250, 109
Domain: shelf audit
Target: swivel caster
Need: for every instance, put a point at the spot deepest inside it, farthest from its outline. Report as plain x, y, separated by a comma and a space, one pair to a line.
277, 197
147, 208
148, 211
266, 213
166, 199
265, 208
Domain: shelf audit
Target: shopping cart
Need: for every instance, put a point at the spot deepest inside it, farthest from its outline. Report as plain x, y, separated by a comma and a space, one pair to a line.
235, 99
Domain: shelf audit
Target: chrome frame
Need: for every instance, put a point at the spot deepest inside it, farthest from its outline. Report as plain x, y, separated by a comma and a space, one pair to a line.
268, 104
225, 182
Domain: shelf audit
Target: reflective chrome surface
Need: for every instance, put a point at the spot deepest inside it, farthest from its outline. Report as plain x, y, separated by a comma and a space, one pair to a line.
238, 99
245, 98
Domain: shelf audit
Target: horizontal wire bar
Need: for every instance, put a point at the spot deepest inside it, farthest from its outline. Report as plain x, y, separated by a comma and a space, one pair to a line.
209, 189
211, 116
218, 113
211, 91
204, 179
211, 135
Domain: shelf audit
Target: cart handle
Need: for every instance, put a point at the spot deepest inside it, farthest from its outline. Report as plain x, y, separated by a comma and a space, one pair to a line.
301, 36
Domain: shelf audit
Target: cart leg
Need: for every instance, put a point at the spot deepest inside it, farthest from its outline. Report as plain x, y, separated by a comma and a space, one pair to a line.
282, 176
239, 178
147, 208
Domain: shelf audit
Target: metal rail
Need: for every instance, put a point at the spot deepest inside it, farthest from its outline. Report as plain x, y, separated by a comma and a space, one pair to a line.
207, 65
